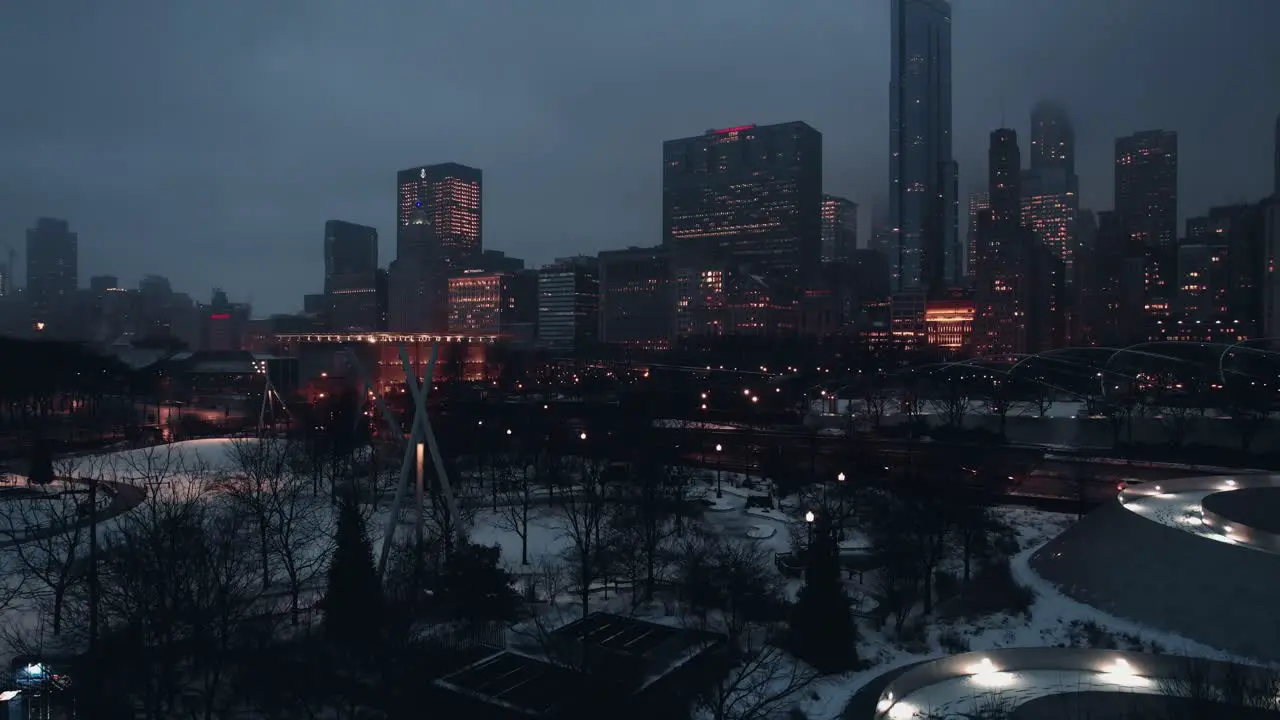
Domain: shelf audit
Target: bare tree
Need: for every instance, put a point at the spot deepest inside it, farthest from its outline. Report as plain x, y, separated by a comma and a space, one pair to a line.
49, 535
732, 598
875, 400
271, 488
517, 499
257, 464
949, 397
582, 517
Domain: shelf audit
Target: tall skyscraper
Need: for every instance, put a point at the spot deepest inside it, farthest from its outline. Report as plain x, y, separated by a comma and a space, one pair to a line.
923, 207
351, 275
52, 268
747, 195
1275, 188
417, 280
1004, 178
1053, 139
978, 201
449, 195
1019, 284
839, 228
1146, 201
1049, 206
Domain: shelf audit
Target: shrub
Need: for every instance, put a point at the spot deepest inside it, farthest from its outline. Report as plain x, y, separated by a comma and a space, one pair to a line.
994, 590
952, 642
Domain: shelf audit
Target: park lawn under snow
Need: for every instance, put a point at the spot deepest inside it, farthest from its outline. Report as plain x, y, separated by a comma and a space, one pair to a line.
1055, 620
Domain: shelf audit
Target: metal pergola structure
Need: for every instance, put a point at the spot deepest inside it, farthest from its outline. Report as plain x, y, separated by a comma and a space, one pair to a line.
420, 435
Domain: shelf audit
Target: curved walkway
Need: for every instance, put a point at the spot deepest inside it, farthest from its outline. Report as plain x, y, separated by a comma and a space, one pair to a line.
1181, 504
1147, 557
961, 685
124, 498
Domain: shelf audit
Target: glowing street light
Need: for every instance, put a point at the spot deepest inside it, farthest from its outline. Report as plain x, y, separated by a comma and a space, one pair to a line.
583, 436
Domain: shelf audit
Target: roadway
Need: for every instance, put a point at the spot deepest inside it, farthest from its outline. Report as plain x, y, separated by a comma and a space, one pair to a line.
1030, 473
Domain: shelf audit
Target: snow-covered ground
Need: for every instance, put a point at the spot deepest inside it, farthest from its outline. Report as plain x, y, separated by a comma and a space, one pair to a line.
1183, 510
1054, 619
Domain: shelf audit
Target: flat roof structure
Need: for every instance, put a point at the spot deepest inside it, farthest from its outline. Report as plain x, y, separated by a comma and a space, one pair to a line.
517, 683
623, 657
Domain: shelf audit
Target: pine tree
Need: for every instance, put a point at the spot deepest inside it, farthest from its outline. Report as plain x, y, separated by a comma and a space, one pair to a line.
823, 632
41, 469
353, 603
475, 586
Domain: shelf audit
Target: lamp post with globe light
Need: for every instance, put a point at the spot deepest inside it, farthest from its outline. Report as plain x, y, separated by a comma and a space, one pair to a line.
809, 517
840, 489
719, 448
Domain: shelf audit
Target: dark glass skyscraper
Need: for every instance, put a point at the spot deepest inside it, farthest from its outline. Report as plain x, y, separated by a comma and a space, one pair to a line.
1275, 189
350, 275
839, 228
1146, 201
53, 273
1053, 139
748, 194
449, 195
923, 210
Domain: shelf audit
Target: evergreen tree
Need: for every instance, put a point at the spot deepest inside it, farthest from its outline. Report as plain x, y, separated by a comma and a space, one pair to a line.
41, 470
823, 632
353, 603
475, 587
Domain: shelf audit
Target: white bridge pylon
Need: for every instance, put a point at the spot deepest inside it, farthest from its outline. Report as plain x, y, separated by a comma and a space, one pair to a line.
419, 433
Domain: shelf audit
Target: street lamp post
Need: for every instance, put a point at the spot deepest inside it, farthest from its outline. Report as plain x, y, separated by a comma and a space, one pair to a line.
808, 523
719, 448
840, 488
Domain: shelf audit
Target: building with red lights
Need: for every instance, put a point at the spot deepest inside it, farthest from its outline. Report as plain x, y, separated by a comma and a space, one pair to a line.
450, 197
326, 357
949, 322
485, 302
750, 194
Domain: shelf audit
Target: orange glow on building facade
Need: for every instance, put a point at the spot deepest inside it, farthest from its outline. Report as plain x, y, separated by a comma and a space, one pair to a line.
477, 302
949, 323
449, 195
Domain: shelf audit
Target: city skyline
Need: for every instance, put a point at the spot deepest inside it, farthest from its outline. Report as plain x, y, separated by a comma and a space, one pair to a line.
190, 199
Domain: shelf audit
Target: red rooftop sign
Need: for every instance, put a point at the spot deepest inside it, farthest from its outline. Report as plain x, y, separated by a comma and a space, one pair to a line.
726, 131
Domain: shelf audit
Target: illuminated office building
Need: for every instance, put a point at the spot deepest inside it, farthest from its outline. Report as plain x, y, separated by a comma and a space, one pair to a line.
1146, 201
449, 195
750, 195
839, 228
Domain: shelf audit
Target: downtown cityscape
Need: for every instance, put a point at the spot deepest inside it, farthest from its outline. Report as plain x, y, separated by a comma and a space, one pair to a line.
966, 445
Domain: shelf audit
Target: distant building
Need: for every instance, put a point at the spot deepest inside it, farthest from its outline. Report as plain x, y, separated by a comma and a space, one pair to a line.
636, 298
498, 261
52, 274
923, 207
351, 275
450, 197
1146, 201
481, 302
978, 201
949, 322
1271, 269
1053, 139
569, 304
749, 195
417, 280
224, 323
839, 228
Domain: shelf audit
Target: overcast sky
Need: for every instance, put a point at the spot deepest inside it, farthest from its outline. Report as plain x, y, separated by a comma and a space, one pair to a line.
209, 141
